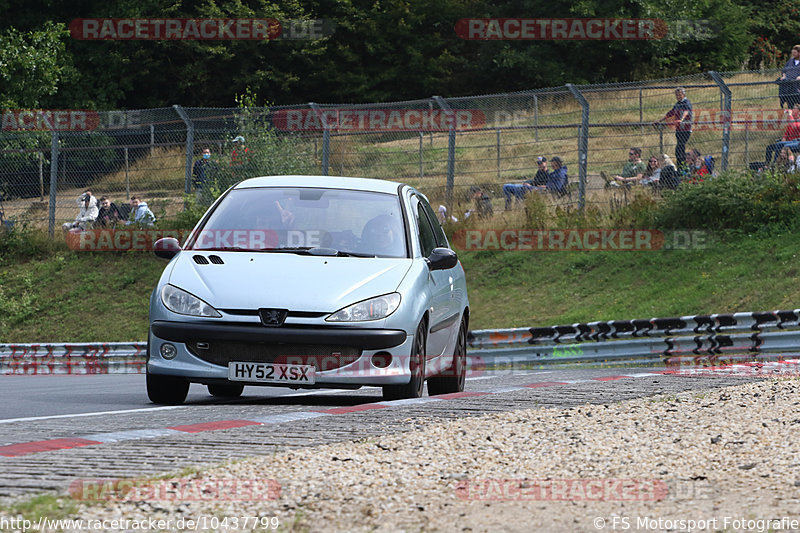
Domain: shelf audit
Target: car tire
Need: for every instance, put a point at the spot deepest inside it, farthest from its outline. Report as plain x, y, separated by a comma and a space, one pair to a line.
168, 390
456, 375
226, 391
416, 385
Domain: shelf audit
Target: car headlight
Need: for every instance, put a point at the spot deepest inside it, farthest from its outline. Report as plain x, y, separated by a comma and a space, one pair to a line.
181, 302
372, 309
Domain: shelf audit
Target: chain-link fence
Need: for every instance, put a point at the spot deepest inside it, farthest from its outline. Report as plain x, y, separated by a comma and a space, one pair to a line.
444, 146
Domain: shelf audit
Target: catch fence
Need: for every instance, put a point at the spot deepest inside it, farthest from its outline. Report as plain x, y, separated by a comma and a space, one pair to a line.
442, 145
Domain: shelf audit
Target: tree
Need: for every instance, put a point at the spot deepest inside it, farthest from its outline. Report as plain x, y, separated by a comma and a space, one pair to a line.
33, 64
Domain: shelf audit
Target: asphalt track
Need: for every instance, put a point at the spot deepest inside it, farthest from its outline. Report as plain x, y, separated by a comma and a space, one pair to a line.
57, 429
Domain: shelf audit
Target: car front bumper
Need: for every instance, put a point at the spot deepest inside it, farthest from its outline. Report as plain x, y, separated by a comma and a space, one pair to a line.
203, 350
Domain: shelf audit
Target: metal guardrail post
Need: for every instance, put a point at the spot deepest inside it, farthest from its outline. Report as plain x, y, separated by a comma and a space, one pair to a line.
725, 100
451, 152
51, 221
498, 153
187, 186
421, 170
326, 138
583, 144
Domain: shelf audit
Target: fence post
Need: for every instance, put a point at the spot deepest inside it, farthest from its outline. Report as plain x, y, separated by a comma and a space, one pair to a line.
421, 171
187, 186
53, 181
127, 181
641, 112
660, 138
536, 118
583, 144
326, 138
41, 176
498, 153
152, 139
725, 100
747, 143
451, 152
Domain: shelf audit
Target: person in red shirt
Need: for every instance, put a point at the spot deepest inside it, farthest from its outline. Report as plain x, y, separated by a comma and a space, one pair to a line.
697, 166
791, 136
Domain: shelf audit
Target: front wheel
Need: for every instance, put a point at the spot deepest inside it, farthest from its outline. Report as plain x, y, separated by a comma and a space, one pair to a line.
453, 379
168, 390
416, 363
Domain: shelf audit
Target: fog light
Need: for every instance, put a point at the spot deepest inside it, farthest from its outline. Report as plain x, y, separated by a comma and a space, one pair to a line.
381, 359
168, 351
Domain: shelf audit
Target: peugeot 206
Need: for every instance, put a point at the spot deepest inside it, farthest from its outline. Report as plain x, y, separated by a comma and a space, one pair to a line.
310, 282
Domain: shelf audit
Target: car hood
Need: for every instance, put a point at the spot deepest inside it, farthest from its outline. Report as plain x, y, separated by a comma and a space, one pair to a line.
285, 280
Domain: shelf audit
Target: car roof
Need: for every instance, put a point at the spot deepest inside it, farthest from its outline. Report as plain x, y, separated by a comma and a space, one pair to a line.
327, 182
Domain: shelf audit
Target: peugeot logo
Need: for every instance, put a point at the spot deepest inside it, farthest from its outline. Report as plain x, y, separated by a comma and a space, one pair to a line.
272, 317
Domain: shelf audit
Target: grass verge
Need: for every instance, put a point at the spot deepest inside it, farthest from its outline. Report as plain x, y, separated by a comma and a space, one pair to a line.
68, 296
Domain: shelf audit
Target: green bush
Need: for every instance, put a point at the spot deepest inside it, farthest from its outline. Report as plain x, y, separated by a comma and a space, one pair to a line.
732, 201
21, 242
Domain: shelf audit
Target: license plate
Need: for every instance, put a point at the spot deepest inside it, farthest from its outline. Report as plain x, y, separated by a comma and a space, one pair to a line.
271, 373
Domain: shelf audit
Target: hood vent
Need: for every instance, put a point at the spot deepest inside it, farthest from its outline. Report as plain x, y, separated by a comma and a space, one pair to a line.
200, 259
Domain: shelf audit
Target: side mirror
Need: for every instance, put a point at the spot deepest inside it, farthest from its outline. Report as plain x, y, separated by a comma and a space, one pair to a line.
166, 248
442, 259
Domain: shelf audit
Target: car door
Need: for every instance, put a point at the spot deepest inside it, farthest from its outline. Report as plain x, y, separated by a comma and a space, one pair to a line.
444, 308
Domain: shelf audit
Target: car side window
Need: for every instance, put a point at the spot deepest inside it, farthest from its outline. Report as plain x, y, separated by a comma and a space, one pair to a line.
427, 239
441, 238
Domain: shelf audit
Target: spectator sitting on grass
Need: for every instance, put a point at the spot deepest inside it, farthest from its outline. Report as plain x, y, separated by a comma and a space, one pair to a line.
557, 179
634, 168
697, 166
519, 190
140, 213
786, 162
87, 214
109, 213
483, 204
791, 136
670, 178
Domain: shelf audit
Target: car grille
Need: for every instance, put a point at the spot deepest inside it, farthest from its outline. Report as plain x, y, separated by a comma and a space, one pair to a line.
321, 356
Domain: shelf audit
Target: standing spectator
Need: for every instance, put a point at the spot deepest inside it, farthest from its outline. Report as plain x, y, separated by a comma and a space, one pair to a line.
791, 136
681, 117
202, 172
519, 190
109, 213
557, 179
789, 82
140, 213
87, 214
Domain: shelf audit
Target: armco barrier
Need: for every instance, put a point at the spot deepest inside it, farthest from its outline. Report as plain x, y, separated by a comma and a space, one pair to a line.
73, 358
698, 339
687, 340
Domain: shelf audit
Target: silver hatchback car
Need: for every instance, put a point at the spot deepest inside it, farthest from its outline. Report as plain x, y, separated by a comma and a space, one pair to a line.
307, 282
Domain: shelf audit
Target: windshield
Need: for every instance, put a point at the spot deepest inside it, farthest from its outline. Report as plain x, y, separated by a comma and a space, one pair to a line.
290, 219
